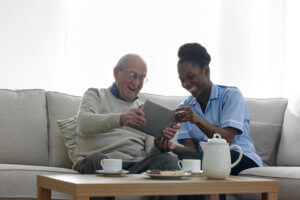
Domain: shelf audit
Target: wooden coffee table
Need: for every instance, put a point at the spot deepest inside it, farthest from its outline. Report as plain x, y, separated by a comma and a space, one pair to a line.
81, 187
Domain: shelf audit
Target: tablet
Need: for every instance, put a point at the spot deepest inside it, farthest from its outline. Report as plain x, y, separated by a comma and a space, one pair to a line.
158, 117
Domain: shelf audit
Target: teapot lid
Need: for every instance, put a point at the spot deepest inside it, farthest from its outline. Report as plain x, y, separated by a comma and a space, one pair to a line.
217, 139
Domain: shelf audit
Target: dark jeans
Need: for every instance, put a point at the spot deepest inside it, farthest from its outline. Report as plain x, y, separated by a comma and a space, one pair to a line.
160, 161
245, 163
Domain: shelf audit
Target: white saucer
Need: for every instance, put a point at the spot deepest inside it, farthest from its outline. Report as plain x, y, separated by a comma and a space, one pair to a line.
160, 176
196, 172
112, 173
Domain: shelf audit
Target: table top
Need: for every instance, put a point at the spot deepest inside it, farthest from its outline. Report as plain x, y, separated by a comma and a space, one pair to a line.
141, 184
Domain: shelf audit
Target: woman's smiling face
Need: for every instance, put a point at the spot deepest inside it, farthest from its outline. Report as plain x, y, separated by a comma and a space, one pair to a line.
193, 78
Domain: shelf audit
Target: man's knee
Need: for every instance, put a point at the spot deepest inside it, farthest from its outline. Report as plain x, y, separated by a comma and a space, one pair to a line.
171, 161
94, 158
90, 163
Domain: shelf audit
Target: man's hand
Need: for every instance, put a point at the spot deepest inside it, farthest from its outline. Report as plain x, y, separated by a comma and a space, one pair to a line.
164, 144
134, 117
169, 132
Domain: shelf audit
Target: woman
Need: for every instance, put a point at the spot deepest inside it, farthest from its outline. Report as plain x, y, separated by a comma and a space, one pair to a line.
211, 109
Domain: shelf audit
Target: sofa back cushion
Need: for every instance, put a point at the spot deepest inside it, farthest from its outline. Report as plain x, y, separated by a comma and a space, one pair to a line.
269, 110
170, 101
60, 106
23, 122
265, 126
288, 152
265, 137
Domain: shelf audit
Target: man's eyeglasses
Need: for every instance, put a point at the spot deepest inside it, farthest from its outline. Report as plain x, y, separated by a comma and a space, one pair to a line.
133, 76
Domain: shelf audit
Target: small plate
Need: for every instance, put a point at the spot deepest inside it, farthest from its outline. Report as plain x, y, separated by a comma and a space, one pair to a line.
112, 173
160, 176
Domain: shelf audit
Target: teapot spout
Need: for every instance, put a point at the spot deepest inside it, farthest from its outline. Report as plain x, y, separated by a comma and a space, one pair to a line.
203, 145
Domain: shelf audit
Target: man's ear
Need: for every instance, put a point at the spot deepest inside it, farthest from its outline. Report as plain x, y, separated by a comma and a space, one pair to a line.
116, 71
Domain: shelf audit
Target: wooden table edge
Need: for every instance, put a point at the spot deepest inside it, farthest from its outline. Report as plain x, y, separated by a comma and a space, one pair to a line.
45, 184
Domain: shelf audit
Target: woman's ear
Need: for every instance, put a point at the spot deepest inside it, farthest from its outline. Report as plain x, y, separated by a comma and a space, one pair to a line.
206, 71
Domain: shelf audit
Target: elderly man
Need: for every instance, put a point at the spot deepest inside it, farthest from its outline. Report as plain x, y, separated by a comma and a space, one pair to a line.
103, 125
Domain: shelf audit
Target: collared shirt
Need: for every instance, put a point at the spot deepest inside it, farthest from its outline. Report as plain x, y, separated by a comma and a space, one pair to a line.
226, 108
115, 91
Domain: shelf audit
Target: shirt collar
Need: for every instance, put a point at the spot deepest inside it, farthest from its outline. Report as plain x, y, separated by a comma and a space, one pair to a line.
214, 92
115, 91
213, 95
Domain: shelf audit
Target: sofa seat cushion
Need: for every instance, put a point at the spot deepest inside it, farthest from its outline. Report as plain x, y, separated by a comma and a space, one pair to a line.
274, 171
288, 178
19, 181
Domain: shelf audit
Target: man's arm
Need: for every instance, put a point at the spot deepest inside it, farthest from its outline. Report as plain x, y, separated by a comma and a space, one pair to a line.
89, 119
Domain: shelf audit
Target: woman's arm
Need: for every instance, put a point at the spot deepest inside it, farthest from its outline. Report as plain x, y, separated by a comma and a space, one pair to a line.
189, 150
187, 114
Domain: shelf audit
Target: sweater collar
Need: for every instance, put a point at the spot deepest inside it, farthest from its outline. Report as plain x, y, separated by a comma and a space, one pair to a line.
115, 91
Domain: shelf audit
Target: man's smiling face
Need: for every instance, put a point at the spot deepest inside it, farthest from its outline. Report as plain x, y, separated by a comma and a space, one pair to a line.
128, 86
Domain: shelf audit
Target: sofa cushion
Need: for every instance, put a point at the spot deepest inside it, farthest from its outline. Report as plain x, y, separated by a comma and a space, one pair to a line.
60, 106
288, 178
67, 128
269, 110
265, 137
19, 181
288, 152
23, 122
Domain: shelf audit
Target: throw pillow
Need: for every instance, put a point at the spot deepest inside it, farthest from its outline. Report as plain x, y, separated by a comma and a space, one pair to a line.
67, 129
265, 137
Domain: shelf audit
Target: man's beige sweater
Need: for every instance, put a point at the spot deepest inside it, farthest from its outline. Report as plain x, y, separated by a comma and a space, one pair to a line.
99, 128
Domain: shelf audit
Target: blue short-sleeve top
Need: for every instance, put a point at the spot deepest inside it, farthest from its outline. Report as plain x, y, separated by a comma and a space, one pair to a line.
226, 108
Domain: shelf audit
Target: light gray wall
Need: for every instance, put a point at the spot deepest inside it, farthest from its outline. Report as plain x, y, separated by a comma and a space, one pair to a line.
31, 43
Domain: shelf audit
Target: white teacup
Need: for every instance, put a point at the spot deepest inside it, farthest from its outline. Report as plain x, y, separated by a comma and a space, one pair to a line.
193, 165
113, 165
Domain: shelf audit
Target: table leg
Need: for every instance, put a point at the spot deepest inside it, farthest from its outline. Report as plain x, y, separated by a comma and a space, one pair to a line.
212, 197
269, 196
43, 193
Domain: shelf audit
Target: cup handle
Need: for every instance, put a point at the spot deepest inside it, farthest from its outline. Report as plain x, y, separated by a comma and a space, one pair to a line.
179, 164
101, 163
240, 156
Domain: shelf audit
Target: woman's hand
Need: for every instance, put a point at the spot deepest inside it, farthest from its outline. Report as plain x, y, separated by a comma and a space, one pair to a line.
185, 114
164, 144
169, 132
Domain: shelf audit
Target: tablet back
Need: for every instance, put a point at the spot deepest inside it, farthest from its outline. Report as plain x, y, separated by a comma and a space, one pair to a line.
158, 116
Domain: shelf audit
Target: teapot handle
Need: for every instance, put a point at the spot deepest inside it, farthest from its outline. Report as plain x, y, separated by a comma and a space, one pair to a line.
240, 156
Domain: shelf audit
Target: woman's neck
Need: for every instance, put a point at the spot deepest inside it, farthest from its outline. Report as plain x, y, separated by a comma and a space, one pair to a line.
204, 97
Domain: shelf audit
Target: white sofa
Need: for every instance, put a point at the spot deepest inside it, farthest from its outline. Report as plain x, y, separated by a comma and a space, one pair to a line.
31, 142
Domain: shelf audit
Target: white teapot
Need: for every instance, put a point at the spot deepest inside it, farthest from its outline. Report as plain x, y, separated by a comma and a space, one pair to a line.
216, 162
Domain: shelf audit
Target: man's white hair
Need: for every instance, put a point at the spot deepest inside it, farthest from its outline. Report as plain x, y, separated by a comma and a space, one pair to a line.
124, 61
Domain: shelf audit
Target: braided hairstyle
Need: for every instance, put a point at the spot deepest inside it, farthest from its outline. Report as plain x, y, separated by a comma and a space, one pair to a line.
193, 53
